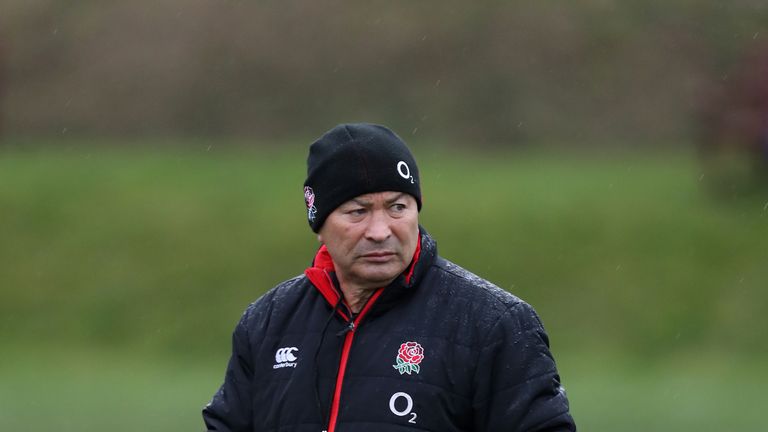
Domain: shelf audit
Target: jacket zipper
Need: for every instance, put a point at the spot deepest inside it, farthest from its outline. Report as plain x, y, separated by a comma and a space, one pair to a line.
344, 358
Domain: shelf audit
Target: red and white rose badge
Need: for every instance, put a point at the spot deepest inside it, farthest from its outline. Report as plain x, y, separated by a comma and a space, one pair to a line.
408, 358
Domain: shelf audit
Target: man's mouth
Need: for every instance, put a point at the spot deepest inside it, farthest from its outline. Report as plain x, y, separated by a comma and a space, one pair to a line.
380, 256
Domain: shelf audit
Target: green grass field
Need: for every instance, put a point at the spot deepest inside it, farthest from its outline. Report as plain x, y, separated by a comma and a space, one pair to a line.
122, 273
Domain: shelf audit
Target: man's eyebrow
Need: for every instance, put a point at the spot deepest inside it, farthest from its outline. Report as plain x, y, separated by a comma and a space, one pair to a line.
365, 203
395, 198
360, 202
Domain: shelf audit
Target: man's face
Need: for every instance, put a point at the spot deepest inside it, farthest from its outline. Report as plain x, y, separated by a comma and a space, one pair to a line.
372, 238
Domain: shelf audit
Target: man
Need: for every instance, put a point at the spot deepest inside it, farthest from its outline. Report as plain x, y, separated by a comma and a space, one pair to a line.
381, 333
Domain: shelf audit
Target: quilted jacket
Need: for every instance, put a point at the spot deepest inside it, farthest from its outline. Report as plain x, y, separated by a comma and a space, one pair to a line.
439, 349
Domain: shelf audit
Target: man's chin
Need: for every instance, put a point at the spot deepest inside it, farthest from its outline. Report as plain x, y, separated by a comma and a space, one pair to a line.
380, 276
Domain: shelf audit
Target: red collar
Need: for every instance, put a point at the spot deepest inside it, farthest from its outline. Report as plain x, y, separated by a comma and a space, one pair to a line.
322, 267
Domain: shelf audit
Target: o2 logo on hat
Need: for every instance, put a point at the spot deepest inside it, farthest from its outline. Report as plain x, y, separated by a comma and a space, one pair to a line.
309, 200
404, 170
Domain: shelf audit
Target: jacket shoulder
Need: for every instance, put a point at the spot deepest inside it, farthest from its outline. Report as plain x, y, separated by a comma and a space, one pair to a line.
278, 299
468, 283
486, 302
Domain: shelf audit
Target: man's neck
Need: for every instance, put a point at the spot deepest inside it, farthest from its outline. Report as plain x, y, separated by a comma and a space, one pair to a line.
356, 298
356, 295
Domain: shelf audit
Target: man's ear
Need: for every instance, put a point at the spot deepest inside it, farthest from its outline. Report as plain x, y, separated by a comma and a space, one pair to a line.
320, 238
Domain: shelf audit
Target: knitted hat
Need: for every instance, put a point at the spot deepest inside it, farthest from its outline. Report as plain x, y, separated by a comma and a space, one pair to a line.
355, 159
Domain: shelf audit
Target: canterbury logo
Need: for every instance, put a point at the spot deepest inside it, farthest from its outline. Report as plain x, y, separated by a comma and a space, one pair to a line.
284, 357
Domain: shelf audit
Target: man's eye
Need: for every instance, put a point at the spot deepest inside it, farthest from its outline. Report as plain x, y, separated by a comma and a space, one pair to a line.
398, 207
357, 212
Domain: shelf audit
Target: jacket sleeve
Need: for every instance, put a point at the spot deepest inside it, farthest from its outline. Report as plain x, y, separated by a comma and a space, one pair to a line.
230, 408
517, 387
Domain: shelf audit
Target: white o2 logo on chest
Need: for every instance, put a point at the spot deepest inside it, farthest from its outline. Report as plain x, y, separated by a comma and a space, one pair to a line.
397, 401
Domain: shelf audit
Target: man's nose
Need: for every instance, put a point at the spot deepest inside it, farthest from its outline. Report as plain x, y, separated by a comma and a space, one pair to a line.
378, 228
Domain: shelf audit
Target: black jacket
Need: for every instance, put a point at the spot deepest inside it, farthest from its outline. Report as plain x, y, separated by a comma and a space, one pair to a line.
439, 349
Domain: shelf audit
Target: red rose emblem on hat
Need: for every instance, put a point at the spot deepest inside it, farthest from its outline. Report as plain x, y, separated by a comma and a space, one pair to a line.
309, 200
409, 356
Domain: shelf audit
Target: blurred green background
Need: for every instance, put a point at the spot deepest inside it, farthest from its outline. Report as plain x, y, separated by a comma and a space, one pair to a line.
152, 157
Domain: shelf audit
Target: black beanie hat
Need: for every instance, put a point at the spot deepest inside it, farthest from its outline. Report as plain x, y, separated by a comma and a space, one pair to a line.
355, 159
